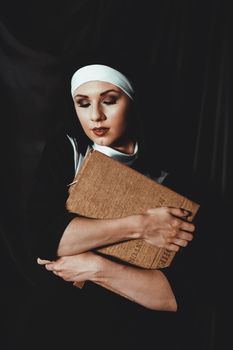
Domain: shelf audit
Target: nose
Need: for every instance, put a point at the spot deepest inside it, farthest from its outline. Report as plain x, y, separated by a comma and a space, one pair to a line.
97, 114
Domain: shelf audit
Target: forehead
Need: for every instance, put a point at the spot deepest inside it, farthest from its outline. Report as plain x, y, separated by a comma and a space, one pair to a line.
95, 87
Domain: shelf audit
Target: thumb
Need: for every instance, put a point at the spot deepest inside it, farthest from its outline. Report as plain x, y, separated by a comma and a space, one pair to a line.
43, 261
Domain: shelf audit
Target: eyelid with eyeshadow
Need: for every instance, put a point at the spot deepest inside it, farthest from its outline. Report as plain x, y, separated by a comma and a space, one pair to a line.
80, 101
108, 99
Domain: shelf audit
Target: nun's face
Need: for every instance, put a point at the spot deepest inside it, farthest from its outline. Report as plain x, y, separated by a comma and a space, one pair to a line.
103, 111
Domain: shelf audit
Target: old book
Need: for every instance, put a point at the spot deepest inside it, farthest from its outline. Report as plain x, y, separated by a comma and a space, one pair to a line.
105, 188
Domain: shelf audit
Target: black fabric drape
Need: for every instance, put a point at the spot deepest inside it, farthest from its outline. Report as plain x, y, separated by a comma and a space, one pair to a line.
179, 54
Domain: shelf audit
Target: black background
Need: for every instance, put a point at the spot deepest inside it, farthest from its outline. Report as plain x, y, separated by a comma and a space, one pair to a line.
178, 52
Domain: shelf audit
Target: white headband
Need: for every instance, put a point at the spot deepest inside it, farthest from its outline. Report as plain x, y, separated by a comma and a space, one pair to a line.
101, 72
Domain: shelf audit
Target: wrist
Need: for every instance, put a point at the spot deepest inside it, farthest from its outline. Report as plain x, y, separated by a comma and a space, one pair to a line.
106, 271
136, 231
97, 268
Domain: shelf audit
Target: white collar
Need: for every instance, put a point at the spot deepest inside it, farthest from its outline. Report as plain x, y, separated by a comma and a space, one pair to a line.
124, 158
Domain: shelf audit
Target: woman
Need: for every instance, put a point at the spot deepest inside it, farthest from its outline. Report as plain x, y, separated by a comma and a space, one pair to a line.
104, 103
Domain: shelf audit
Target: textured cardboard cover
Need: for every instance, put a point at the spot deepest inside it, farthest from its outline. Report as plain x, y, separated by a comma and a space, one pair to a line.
106, 188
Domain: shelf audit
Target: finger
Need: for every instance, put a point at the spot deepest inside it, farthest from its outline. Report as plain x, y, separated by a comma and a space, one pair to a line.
173, 247
180, 242
179, 212
57, 273
50, 267
187, 226
160, 210
43, 261
184, 235
69, 278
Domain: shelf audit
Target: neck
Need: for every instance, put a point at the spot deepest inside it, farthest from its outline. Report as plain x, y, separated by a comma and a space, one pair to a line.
126, 147
127, 158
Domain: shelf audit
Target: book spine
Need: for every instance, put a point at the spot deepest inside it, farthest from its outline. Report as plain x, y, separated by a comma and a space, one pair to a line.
69, 202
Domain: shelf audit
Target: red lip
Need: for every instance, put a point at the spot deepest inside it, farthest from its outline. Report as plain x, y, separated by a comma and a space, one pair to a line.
100, 131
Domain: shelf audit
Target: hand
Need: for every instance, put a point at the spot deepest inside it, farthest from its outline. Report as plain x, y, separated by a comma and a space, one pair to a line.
75, 268
167, 228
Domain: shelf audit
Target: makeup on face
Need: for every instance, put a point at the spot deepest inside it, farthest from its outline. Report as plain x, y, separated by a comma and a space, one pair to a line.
103, 111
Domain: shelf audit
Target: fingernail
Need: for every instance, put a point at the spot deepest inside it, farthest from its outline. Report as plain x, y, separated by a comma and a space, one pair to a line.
186, 212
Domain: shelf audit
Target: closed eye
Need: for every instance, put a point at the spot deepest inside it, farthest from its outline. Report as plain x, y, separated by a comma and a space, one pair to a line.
111, 101
83, 103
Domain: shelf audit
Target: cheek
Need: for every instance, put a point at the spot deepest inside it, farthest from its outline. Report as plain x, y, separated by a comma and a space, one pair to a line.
119, 126
121, 119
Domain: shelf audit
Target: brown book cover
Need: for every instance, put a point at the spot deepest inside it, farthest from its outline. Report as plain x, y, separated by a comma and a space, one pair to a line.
105, 188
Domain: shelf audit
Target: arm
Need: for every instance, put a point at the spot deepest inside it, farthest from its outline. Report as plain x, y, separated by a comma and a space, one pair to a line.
163, 227
55, 232
149, 288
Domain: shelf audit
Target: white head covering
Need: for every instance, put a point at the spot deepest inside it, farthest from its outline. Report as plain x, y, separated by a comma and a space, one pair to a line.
101, 72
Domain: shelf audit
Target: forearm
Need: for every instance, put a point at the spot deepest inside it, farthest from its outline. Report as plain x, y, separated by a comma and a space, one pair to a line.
84, 234
159, 226
149, 288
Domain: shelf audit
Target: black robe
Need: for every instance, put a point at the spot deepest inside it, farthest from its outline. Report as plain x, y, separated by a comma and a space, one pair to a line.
95, 316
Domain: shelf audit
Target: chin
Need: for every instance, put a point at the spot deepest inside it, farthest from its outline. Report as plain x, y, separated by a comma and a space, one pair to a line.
102, 141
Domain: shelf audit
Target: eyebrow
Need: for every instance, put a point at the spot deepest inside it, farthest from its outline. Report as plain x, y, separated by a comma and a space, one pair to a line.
102, 93
111, 90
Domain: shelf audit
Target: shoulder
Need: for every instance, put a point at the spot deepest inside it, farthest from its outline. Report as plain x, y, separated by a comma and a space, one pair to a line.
57, 151
60, 143
57, 158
